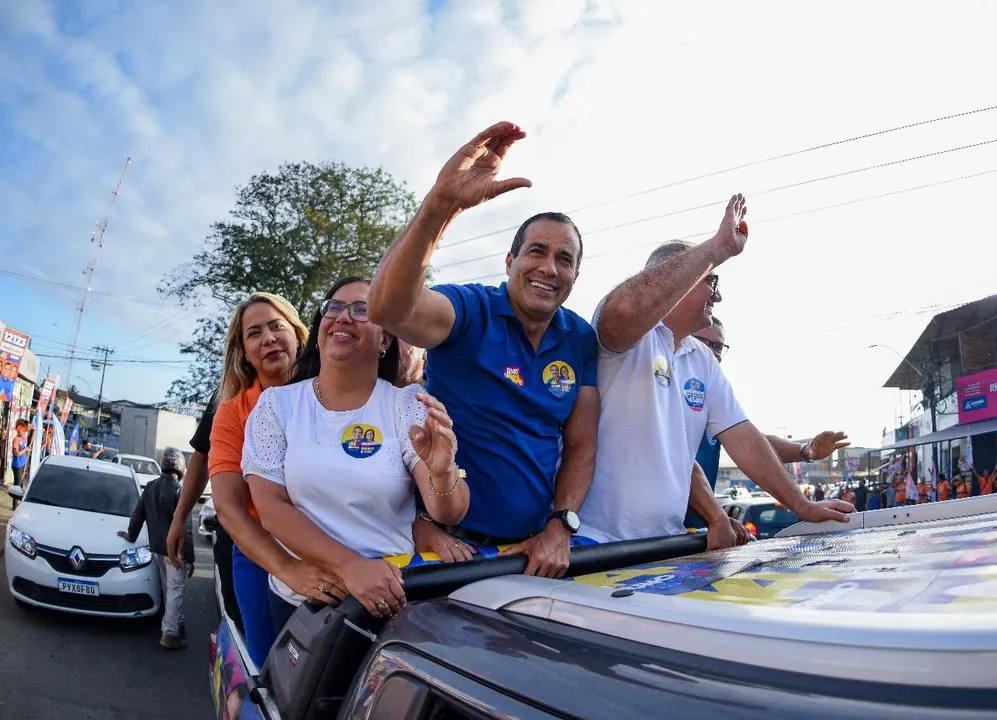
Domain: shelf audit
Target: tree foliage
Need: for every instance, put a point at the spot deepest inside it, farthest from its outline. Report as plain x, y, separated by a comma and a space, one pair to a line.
292, 233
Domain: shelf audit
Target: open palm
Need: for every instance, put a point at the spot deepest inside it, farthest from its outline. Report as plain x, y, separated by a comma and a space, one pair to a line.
435, 442
469, 177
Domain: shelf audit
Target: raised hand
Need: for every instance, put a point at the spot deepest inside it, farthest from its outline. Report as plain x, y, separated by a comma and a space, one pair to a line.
435, 442
733, 232
826, 443
469, 177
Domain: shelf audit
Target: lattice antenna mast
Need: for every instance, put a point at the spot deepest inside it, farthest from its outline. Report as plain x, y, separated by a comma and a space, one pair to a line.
98, 242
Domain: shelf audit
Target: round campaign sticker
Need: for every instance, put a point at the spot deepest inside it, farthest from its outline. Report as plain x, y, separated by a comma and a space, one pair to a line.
559, 378
361, 441
661, 374
695, 394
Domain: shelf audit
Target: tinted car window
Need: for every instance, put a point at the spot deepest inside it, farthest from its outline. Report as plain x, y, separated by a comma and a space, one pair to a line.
772, 518
83, 489
142, 467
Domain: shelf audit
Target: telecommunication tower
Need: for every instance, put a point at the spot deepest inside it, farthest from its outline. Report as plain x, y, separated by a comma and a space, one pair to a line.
98, 242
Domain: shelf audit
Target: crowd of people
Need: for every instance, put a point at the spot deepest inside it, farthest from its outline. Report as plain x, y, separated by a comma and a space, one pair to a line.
889, 492
409, 418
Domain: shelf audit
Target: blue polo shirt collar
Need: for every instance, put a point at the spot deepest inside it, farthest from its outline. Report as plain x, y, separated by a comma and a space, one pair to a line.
501, 306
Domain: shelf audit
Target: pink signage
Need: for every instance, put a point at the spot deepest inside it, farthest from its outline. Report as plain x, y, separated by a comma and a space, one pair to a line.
977, 396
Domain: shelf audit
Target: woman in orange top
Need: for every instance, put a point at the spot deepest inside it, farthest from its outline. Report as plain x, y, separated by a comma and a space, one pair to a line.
265, 336
961, 489
922, 491
901, 492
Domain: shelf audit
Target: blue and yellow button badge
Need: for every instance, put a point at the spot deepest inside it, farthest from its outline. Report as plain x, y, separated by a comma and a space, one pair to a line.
361, 441
662, 373
559, 378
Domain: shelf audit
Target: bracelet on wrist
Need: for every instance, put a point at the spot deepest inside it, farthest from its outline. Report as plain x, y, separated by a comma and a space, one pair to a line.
432, 486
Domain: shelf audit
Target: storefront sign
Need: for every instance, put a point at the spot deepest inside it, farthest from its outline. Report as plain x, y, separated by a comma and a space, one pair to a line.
977, 396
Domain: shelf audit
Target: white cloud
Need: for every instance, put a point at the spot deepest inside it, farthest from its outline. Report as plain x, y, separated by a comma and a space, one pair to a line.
616, 97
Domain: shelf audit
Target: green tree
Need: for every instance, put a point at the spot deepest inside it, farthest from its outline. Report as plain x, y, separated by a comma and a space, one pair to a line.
292, 233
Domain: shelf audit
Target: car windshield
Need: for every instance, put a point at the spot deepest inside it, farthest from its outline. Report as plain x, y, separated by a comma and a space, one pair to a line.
85, 489
774, 516
142, 466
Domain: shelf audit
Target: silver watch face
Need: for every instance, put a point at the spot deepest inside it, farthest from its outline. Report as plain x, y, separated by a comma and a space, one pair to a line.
571, 518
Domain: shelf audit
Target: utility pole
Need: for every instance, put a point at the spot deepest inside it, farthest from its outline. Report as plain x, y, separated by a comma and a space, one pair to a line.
98, 242
102, 366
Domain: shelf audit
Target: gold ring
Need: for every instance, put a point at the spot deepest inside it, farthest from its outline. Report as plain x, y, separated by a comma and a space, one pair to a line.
321, 587
382, 607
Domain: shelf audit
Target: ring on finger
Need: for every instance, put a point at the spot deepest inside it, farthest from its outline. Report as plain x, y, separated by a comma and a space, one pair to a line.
321, 587
382, 607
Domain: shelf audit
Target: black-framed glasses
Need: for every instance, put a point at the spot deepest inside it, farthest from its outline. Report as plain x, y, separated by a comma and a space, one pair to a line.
713, 281
334, 308
716, 346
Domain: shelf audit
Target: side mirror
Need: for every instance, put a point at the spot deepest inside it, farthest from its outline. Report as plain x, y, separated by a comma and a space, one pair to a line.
15, 492
210, 522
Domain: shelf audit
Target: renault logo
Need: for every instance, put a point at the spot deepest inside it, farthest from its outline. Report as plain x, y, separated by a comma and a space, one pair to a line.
76, 558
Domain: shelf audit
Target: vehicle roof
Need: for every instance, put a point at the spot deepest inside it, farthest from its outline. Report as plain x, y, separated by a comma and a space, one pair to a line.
755, 500
887, 604
75, 461
126, 456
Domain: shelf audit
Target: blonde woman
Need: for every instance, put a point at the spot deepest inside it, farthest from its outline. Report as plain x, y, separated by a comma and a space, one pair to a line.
335, 458
265, 336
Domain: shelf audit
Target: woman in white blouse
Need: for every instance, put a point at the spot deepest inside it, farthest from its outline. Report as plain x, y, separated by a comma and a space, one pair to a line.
333, 459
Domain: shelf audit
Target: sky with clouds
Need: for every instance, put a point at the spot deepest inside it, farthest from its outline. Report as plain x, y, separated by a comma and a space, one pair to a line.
618, 98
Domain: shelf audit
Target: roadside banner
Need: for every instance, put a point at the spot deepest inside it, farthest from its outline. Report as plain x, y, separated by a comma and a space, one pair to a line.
58, 438
12, 347
36, 447
46, 397
74, 439
67, 406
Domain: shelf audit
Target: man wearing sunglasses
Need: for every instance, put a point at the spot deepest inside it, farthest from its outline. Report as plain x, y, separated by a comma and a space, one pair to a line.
708, 455
488, 351
661, 390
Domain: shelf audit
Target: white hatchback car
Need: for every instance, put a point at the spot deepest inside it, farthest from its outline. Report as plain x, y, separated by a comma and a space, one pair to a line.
146, 469
63, 551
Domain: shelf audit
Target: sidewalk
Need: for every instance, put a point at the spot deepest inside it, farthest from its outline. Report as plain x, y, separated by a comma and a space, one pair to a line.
5, 513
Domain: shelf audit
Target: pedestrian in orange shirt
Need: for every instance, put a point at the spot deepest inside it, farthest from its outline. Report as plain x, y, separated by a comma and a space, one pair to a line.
901, 492
986, 481
944, 489
961, 488
922, 491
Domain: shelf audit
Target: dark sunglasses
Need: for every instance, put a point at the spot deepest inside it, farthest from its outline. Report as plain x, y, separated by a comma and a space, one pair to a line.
715, 345
334, 308
713, 281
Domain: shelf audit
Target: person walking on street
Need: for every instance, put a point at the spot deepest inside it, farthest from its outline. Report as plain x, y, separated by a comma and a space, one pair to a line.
157, 507
20, 460
861, 496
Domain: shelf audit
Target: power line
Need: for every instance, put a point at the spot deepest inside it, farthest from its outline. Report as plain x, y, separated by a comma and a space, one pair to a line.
151, 330
774, 219
742, 166
120, 361
756, 193
76, 288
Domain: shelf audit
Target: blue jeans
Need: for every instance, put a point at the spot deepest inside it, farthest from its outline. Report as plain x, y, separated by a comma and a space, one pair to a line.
252, 592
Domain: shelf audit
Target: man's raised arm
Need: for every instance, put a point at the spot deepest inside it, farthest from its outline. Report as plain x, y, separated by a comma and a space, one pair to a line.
399, 300
638, 304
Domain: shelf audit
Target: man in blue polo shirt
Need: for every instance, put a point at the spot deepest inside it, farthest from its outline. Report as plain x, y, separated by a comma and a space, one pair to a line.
526, 438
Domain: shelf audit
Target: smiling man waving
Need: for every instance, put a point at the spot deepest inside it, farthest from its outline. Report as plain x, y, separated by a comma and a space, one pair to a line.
492, 356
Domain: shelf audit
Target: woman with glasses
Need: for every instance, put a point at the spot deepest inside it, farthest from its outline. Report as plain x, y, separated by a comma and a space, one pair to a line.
328, 501
264, 339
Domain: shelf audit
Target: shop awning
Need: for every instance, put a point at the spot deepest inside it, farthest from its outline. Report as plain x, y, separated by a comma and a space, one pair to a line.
953, 433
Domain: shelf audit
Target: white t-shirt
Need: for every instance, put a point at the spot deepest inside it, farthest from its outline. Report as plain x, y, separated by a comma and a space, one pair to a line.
349, 472
656, 403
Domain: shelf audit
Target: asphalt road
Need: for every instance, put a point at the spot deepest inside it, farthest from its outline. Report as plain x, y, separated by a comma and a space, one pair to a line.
56, 665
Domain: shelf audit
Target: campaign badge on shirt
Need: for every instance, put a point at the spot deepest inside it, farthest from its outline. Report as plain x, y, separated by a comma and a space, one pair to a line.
695, 394
513, 375
361, 441
559, 378
662, 375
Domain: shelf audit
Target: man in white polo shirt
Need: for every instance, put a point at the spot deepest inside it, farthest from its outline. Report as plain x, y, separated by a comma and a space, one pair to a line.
661, 389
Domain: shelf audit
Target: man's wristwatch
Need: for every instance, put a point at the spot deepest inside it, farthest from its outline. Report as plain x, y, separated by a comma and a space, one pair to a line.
807, 452
569, 518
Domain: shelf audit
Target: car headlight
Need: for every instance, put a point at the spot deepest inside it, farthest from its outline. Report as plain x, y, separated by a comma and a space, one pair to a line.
22, 541
135, 558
